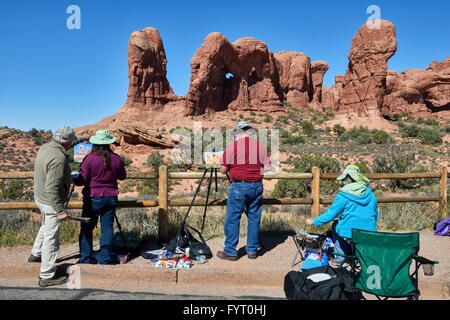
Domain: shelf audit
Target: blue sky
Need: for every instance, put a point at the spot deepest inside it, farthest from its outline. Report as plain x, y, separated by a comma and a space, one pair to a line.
50, 75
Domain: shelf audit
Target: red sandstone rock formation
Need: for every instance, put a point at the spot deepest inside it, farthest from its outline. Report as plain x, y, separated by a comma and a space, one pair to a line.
419, 91
245, 75
363, 85
149, 88
318, 70
237, 76
294, 71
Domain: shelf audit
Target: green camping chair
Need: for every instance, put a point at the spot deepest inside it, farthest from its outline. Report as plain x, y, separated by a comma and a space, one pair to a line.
381, 261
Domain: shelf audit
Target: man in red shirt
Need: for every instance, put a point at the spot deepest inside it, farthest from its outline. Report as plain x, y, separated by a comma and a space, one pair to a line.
245, 160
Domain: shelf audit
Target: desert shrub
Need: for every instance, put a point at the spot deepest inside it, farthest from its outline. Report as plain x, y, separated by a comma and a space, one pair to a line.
11, 189
151, 186
430, 136
268, 118
410, 131
338, 129
308, 128
39, 141
34, 132
431, 122
399, 163
362, 165
407, 216
294, 140
126, 161
301, 187
380, 136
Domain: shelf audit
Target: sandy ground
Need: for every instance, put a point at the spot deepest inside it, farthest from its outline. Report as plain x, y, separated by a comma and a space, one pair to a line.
263, 277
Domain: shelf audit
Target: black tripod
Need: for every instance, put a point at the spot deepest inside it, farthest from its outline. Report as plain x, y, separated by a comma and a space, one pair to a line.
212, 171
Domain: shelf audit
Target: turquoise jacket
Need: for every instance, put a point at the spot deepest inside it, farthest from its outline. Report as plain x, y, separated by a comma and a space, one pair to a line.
357, 212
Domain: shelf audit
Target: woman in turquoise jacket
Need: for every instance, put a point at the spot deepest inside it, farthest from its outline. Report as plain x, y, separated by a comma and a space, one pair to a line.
357, 206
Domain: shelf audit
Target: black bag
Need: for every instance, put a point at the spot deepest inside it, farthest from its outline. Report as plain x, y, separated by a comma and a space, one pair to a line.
185, 239
297, 286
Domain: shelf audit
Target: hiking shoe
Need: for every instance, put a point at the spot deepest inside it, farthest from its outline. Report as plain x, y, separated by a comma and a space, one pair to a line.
251, 255
222, 255
336, 263
55, 281
33, 258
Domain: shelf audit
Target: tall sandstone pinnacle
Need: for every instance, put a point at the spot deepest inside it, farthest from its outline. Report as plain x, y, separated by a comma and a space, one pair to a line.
364, 84
148, 88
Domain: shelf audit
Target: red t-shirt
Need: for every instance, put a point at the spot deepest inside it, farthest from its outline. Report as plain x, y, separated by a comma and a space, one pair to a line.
245, 159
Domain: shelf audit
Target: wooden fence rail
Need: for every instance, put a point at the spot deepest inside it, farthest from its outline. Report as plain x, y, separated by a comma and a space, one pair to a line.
163, 202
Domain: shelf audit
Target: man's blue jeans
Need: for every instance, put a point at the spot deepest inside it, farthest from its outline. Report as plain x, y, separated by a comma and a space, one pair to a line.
104, 207
243, 196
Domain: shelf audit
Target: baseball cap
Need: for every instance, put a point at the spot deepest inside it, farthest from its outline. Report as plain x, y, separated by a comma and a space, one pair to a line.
242, 126
65, 134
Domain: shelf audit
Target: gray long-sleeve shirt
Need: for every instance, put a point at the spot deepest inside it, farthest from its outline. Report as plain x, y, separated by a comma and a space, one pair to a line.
52, 176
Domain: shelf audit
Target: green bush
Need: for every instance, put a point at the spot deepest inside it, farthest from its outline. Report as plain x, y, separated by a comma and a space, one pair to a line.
399, 163
308, 128
430, 136
338, 129
300, 188
380, 136
431, 122
410, 131
151, 186
11, 189
126, 161
268, 118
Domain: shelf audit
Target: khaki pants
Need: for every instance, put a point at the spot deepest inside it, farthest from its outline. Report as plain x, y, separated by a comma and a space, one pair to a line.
46, 244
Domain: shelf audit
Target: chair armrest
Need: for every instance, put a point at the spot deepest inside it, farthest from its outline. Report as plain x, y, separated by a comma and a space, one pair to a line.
427, 265
423, 260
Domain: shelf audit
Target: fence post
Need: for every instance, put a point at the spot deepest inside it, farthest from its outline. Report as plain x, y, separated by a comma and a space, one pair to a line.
443, 193
315, 192
163, 193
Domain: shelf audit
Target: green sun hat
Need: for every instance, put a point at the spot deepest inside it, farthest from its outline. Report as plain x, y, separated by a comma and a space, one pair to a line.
102, 137
353, 171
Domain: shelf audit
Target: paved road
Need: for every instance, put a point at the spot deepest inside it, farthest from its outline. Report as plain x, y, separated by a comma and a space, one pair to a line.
7, 293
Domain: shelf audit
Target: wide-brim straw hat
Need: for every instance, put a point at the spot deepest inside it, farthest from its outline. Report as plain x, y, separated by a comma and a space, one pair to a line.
102, 137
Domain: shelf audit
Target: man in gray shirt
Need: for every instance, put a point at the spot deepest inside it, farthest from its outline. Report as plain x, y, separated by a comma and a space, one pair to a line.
52, 181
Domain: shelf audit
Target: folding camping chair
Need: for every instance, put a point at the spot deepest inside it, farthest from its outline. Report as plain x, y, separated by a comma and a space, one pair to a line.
304, 240
384, 264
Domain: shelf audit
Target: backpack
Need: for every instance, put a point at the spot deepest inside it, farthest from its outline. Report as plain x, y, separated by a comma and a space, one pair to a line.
185, 239
338, 286
442, 228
